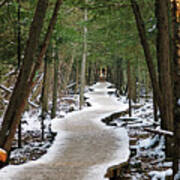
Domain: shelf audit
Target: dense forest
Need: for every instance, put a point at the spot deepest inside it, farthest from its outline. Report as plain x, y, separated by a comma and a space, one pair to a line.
51, 50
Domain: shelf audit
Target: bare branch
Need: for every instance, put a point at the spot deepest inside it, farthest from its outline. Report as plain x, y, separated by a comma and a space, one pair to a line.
160, 131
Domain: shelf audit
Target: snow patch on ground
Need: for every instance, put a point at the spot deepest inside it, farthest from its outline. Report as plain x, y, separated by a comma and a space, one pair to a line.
8, 172
157, 175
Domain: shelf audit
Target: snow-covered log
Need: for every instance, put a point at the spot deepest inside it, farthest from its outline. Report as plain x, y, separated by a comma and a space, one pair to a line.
13, 72
10, 91
33, 104
5, 88
71, 85
160, 131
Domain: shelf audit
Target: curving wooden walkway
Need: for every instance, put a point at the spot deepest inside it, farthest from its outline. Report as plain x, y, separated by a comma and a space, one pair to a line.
84, 147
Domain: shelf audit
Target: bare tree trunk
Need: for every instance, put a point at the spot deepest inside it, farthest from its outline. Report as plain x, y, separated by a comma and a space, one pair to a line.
149, 60
164, 85
38, 89
55, 88
133, 86
21, 90
120, 77
68, 71
176, 167
92, 78
96, 71
138, 81
89, 73
164, 66
26, 77
77, 77
129, 88
155, 109
83, 65
46, 40
44, 96
19, 63
147, 53
45, 89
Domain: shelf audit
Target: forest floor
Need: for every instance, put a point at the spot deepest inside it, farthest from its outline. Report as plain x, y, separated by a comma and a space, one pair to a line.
147, 160
32, 144
84, 148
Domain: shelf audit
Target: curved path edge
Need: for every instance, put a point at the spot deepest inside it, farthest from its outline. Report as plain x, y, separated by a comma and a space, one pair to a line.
84, 147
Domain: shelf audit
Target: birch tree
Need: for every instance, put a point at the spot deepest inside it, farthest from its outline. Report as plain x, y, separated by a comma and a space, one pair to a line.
83, 64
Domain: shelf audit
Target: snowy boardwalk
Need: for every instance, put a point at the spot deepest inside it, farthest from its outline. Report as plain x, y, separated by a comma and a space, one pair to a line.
84, 147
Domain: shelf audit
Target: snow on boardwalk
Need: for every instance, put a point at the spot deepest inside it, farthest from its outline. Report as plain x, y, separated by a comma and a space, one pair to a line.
84, 147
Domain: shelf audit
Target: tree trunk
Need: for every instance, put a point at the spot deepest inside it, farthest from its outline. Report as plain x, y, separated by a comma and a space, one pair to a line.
164, 99
96, 72
19, 34
120, 77
89, 73
38, 88
147, 53
68, 71
176, 167
138, 84
83, 65
46, 41
44, 97
22, 90
155, 109
133, 86
77, 77
55, 88
19, 63
27, 73
164, 66
109, 74
149, 60
117, 71
129, 88
45, 89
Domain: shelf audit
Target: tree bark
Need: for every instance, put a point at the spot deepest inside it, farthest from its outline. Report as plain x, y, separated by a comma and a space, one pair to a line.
147, 53
55, 88
19, 63
21, 91
163, 87
46, 40
176, 167
45, 89
38, 88
68, 71
129, 88
89, 73
77, 77
27, 73
120, 77
155, 109
44, 97
164, 66
19, 34
83, 65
